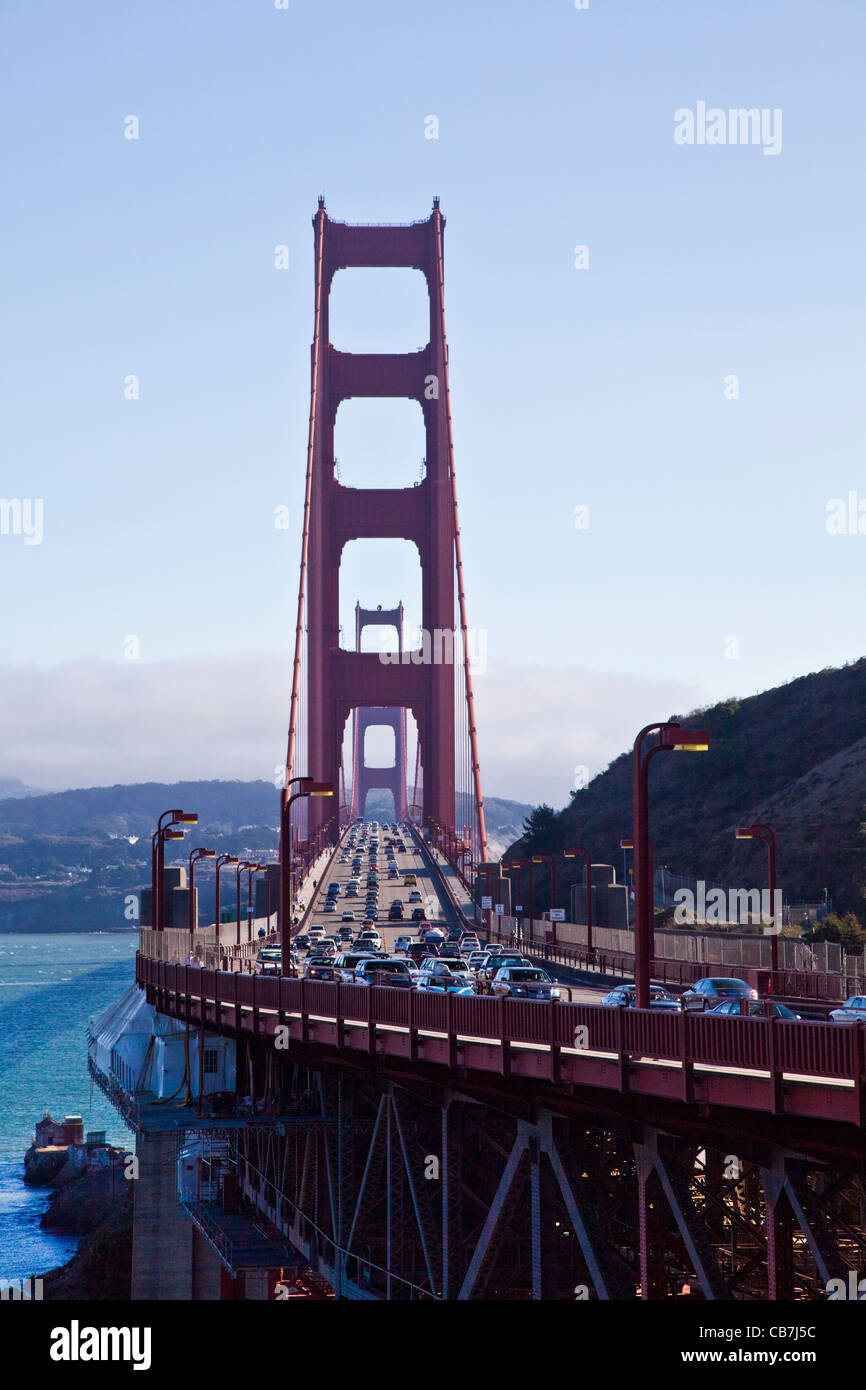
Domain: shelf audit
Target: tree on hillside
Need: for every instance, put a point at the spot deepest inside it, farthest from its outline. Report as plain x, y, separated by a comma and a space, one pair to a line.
847, 930
541, 830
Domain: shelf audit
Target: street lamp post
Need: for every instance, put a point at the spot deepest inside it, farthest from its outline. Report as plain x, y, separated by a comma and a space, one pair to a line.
157, 857
519, 865
672, 736
242, 864
551, 860
194, 856
252, 868
221, 860
624, 845
578, 852
308, 786
265, 868
629, 844
759, 831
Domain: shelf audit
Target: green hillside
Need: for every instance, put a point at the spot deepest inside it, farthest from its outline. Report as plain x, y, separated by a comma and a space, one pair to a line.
793, 757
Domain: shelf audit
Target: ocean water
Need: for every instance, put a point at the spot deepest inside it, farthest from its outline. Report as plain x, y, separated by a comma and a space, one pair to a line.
51, 986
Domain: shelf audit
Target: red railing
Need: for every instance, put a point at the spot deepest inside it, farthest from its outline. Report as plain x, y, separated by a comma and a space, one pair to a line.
767, 1045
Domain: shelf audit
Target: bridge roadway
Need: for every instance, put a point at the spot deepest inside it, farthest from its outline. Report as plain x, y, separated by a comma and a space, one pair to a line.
434, 899
429, 870
790, 1070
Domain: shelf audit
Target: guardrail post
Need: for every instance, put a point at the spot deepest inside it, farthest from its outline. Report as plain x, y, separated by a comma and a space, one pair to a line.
504, 1038
305, 1018
619, 1031
413, 1030
341, 1028
860, 1071
449, 1027
237, 1005
555, 1050
776, 1084
685, 1059
371, 1019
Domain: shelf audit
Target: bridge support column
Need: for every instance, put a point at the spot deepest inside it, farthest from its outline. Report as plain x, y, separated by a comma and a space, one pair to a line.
169, 1260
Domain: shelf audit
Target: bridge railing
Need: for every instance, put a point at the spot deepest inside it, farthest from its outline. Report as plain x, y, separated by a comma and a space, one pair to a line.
259, 1003
791, 984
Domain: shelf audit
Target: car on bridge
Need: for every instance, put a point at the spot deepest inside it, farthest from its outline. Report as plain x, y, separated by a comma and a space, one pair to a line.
449, 950
321, 968
402, 942
324, 947
713, 989
388, 970
623, 998
269, 960
754, 1008
346, 961
443, 975
369, 937
347, 917
524, 982
852, 1011
493, 960
330, 906
301, 942
418, 951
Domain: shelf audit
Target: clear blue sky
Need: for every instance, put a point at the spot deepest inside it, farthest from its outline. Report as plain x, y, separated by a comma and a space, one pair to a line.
601, 387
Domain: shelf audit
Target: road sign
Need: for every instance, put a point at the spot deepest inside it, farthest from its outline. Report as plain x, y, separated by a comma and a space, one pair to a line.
519, 907
557, 914
499, 909
487, 903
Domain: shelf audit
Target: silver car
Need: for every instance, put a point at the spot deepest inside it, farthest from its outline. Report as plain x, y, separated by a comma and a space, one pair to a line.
852, 1011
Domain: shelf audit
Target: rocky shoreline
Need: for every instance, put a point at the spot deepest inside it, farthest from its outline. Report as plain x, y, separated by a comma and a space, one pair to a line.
95, 1205
98, 1209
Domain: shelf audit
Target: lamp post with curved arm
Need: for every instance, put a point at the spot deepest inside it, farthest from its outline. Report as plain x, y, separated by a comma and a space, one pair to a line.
308, 786
672, 736
242, 864
551, 860
759, 831
194, 857
162, 833
578, 852
221, 860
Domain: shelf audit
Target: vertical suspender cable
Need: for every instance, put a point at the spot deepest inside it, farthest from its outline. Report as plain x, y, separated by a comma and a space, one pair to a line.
470, 703
305, 540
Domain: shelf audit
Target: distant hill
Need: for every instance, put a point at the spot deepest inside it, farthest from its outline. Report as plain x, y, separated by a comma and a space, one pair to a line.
69, 860
793, 757
13, 786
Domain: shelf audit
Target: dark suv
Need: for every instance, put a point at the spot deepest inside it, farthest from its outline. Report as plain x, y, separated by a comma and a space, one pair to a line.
420, 950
